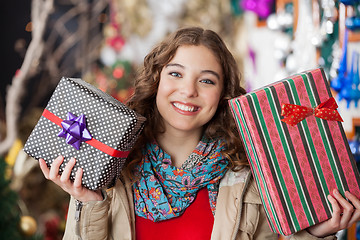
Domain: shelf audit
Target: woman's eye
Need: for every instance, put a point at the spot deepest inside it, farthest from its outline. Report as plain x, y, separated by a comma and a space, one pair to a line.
175, 74
207, 81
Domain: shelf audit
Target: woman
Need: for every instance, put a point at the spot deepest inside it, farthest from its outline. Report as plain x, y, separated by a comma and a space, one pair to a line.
187, 177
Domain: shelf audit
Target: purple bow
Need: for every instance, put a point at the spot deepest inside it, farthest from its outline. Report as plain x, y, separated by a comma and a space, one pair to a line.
74, 130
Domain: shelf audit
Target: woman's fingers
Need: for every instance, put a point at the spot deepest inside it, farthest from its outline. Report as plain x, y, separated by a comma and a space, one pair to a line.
65, 176
354, 218
336, 215
78, 178
62, 180
353, 199
54, 169
344, 214
346, 209
75, 187
356, 204
44, 168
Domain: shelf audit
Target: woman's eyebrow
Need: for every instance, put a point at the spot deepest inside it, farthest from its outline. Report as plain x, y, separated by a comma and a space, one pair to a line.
212, 72
203, 71
174, 65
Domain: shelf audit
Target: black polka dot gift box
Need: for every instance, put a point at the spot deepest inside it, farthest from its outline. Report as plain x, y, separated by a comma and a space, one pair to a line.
82, 121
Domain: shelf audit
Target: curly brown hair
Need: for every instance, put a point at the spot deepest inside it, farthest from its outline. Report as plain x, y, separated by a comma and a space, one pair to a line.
147, 82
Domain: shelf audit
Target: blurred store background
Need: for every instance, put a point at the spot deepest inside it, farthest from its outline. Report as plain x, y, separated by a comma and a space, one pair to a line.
104, 41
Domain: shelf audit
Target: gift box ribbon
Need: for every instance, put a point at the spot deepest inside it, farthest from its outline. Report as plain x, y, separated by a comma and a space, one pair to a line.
93, 142
295, 113
74, 130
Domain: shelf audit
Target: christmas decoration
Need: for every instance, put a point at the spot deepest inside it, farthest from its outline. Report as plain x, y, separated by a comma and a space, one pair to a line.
262, 8
14, 225
355, 147
28, 225
337, 83
353, 22
303, 55
9, 211
350, 91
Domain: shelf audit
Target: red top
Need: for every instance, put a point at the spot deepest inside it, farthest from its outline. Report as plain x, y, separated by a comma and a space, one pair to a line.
195, 223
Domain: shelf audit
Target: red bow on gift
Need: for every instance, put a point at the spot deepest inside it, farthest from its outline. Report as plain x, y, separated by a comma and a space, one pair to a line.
295, 113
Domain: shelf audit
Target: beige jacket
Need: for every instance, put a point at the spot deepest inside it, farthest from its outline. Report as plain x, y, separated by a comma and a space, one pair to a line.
239, 214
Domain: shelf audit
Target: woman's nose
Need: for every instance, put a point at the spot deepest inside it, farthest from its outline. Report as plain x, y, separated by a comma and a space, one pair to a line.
189, 89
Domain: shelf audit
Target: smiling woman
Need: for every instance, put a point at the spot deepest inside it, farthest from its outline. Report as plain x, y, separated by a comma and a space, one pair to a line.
187, 98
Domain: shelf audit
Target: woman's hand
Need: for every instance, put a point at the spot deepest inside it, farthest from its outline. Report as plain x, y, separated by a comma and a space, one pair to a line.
344, 215
73, 188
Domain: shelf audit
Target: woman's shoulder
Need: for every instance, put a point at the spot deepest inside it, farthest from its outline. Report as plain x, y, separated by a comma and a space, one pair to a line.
242, 179
234, 177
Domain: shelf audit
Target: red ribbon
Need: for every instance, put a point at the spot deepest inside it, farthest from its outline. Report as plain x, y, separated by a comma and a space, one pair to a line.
93, 142
295, 113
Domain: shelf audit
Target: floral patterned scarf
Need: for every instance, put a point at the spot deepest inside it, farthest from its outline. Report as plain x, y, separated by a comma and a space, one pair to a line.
165, 191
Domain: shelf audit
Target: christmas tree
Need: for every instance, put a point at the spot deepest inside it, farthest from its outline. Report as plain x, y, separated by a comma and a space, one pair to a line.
9, 211
12, 224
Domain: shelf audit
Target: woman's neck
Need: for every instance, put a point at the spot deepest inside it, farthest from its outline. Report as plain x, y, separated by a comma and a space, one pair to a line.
178, 145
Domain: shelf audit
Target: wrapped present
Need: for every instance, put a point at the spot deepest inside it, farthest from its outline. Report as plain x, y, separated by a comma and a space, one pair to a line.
297, 149
82, 121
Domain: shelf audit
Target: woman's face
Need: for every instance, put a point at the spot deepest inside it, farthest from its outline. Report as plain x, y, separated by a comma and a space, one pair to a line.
190, 88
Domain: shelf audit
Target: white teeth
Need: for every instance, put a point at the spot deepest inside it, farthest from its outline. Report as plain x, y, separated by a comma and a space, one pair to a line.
184, 107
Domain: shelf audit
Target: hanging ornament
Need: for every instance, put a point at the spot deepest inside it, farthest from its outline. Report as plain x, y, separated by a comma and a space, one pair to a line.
353, 22
338, 82
351, 81
28, 225
355, 91
355, 146
116, 42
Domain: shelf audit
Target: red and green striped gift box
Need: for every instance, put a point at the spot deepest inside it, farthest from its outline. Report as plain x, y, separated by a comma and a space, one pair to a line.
295, 167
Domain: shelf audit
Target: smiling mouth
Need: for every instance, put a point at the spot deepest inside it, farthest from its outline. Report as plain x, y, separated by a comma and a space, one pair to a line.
185, 108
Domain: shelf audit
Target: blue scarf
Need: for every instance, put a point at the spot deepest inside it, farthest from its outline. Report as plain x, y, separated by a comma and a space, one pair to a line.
165, 191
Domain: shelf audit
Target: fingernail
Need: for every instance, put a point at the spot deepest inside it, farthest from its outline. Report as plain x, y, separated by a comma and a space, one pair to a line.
72, 159
329, 197
336, 191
